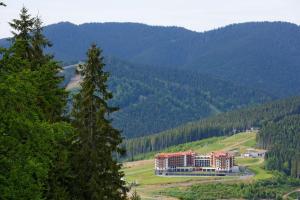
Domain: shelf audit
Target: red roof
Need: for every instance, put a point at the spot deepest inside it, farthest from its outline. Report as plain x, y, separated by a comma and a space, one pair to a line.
221, 154
168, 155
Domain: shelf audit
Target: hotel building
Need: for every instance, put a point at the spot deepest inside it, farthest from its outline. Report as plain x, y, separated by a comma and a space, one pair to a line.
170, 163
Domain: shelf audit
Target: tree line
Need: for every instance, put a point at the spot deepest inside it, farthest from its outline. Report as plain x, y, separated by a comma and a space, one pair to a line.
220, 125
44, 153
282, 138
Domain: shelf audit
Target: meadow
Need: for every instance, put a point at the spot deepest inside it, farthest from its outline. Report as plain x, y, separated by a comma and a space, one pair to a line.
140, 174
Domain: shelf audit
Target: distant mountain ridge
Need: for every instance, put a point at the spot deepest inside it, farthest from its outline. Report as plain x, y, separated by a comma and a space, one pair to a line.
263, 55
153, 99
238, 65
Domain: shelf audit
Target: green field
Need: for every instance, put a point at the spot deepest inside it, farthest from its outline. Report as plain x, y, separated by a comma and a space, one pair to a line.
240, 142
141, 173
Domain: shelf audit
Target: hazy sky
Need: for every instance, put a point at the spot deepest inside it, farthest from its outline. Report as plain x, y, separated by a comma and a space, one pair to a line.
196, 15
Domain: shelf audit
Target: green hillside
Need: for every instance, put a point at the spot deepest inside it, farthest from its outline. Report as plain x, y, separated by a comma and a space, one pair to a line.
282, 138
153, 99
220, 125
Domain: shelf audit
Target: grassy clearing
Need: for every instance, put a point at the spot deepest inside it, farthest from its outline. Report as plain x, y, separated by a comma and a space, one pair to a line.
239, 142
256, 165
247, 161
260, 172
150, 185
144, 175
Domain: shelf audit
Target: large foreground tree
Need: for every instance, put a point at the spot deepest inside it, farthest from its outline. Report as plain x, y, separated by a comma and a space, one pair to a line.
98, 173
33, 138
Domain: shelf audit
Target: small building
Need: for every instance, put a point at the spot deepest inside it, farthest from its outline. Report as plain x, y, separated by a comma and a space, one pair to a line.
254, 153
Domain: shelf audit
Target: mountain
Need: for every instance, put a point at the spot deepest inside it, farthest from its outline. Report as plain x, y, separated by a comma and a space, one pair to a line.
261, 55
153, 99
181, 75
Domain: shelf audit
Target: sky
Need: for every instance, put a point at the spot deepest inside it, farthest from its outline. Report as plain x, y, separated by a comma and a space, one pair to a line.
197, 15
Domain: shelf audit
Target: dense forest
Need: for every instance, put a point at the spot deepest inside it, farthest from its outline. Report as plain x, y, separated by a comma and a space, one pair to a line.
152, 99
281, 138
261, 55
219, 125
43, 153
33, 132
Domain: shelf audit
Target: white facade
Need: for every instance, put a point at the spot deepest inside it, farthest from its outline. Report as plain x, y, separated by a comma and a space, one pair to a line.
202, 161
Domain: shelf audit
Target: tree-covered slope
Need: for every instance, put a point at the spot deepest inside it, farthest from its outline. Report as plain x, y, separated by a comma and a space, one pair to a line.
261, 55
153, 99
222, 124
281, 138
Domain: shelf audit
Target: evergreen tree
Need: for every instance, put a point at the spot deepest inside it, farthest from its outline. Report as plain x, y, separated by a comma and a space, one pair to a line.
29, 44
38, 43
22, 29
53, 100
98, 173
28, 142
34, 150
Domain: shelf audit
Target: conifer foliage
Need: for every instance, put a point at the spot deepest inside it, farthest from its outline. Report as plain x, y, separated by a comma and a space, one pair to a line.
29, 43
98, 175
282, 138
33, 136
22, 29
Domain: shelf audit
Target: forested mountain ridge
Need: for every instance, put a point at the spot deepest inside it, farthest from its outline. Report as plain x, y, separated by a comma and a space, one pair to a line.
153, 99
222, 124
262, 55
